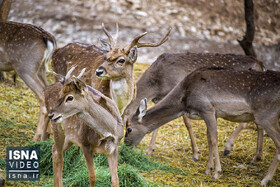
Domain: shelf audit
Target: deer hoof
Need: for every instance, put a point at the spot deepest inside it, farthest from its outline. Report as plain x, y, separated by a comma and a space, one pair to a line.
265, 182
195, 159
149, 151
217, 175
226, 152
208, 171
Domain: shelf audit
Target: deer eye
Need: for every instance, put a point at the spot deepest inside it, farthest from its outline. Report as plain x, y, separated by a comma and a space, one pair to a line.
121, 61
69, 98
129, 130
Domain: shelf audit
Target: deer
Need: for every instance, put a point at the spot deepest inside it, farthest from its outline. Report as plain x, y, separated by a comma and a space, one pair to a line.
27, 49
5, 6
98, 111
169, 69
211, 93
119, 65
74, 130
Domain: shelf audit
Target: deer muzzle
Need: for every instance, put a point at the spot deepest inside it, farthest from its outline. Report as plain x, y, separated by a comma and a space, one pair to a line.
100, 71
55, 118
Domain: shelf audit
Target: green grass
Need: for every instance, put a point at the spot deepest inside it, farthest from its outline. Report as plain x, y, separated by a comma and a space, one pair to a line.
132, 162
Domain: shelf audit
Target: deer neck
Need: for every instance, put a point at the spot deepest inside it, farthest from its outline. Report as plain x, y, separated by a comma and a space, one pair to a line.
99, 119
124, 91
161, 114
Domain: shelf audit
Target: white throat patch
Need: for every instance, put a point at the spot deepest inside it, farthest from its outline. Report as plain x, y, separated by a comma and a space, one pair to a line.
119, 86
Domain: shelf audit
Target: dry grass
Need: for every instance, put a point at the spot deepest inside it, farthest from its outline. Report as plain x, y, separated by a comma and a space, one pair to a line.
19, 113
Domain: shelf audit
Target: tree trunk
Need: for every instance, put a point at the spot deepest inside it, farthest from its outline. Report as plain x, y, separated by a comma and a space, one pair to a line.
5, 6
247, 42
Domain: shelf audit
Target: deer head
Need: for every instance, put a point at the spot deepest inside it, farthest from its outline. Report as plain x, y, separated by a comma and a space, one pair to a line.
73, 94
119, 60
135, 130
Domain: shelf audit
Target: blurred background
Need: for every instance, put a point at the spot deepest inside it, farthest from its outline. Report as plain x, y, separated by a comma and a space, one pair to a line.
198, 25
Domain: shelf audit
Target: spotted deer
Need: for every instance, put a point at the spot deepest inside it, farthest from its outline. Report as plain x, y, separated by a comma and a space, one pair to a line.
75, 130
27, 49
99, 112
118, 67
208, 94
169, 69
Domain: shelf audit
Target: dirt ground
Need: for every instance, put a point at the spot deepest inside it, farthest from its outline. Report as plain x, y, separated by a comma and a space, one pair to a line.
198, 25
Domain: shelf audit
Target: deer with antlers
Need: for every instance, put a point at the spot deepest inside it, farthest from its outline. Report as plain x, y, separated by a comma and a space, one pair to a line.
238, 96
119, 68
75, 130
27, 49
169, 69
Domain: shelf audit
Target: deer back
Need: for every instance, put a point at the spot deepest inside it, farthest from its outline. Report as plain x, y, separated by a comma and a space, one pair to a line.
171, 68
234, 95
17, 40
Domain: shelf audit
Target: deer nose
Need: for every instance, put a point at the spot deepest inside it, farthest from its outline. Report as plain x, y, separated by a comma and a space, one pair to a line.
99, 72
51, 116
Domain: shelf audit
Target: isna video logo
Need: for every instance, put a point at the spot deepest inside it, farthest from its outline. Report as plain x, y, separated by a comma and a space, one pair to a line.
23, 163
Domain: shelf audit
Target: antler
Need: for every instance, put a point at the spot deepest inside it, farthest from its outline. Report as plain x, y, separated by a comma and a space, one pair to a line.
62, 78
113, 40
67, 76
82, 72
136, 43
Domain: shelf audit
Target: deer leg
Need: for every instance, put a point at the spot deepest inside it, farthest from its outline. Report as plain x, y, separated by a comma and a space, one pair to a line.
232, 138
210, 155
35, 84
2, 76
271, 125
151, 147
273, 132
259, 151
113, 165
188, 124
2, 178
42, 75
211, 123
15, 78
46, 128
88, 152
57, 154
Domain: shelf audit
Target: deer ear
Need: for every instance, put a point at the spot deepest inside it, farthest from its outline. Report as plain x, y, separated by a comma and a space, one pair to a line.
81, 86
142, 109
133, 54
105, 45
60, 78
